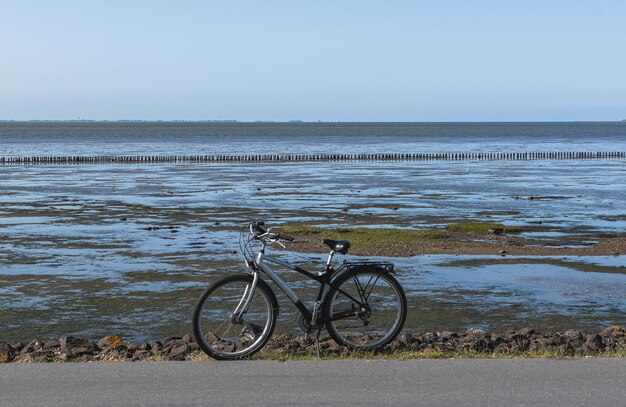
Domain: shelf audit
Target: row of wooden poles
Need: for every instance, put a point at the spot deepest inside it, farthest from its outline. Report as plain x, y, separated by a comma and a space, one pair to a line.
111, 159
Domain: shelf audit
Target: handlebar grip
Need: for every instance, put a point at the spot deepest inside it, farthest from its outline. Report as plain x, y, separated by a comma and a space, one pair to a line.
287, 238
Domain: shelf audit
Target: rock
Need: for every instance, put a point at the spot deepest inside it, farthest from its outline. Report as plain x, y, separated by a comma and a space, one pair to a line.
179, 352
612, 330
37, 356
74, 346
427, 338
478, 340
568, 343
7, 353
144, 346
406, 339
155, 346
573, 338
18, 346
594, 343
112, 341
110, 353
573, 335
447, 335
175, 343
49, 345
395, 345
536, 345
169, 339
141, 354
32, 346
498, 341
517, 342
614, 337
553, 340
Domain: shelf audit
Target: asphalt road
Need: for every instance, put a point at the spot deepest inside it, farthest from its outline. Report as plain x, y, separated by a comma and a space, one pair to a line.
468, 382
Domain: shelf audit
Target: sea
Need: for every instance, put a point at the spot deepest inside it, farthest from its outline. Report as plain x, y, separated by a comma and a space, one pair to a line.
98, 249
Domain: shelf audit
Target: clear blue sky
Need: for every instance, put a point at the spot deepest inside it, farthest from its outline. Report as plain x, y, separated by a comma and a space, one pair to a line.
313, 60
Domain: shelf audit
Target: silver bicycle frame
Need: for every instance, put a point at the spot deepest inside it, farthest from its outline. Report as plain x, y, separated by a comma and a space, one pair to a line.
261, 265
260, 261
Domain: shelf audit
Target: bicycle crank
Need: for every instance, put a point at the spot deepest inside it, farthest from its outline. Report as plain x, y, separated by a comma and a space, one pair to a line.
306, 326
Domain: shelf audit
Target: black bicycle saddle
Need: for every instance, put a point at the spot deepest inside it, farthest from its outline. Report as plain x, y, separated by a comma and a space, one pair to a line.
339, 246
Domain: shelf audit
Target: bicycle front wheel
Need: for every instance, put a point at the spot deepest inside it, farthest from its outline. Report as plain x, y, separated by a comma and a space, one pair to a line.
365, 309
223, 335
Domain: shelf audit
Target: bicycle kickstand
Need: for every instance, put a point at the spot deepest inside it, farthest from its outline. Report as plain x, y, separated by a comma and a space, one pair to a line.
317, 341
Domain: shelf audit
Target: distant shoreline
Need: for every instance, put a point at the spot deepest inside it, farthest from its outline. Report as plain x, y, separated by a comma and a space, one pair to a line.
305, 122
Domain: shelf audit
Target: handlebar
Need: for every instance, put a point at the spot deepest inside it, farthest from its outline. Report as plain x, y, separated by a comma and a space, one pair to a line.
258, 231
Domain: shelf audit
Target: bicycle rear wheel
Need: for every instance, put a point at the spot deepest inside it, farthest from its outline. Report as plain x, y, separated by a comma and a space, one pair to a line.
219, 333
365, 309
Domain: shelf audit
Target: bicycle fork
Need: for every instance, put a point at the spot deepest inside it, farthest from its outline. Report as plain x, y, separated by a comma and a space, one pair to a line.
241, 308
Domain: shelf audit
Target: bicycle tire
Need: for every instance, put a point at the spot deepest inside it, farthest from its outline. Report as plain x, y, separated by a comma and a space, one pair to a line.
369, 330
213, 313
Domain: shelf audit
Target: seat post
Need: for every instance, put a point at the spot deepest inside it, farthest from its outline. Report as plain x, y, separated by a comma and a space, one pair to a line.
330, 260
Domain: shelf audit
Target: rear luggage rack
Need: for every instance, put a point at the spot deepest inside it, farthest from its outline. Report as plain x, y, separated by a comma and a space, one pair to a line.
385, 265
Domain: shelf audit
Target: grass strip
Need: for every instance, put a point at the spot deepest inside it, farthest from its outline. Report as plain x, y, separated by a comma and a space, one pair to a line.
364, 237
483, 228
368, 237
422, 354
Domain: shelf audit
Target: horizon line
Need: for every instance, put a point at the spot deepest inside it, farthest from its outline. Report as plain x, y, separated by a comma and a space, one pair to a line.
235, 121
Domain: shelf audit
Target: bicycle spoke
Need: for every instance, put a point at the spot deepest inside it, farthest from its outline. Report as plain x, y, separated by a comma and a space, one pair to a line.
359, 288
385, 305
371, 289
226, 336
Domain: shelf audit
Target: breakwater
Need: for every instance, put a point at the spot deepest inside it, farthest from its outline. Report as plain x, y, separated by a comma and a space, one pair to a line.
524, 342
261, 158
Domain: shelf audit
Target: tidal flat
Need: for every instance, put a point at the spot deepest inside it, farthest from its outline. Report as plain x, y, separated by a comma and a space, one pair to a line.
126, 249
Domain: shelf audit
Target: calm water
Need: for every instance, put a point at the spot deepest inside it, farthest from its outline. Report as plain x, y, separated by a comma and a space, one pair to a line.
110, 138
98, 249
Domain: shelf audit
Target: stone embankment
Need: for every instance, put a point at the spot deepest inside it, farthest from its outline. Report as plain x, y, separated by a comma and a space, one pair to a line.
522, 342
154, 159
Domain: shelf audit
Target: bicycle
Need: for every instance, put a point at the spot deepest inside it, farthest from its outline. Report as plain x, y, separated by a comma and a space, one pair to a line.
361, 304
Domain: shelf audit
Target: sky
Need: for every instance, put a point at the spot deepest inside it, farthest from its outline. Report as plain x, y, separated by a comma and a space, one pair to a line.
322, 60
